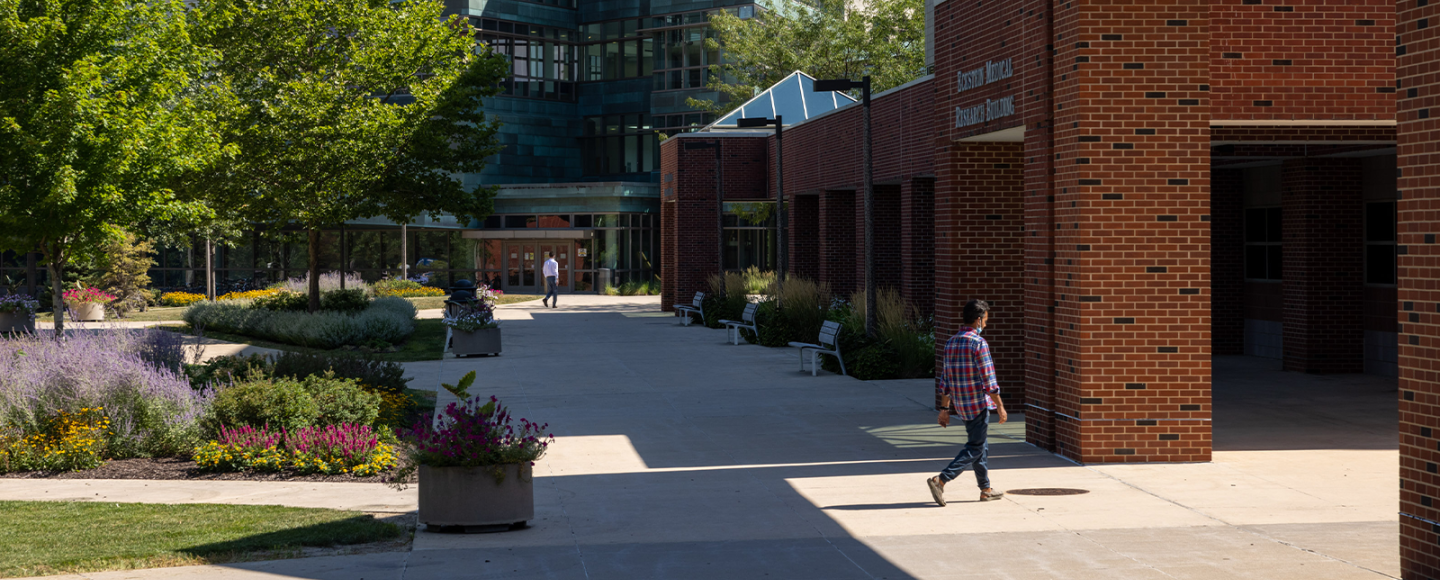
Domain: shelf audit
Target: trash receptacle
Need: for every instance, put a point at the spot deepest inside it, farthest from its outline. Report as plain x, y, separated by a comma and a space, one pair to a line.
603, 279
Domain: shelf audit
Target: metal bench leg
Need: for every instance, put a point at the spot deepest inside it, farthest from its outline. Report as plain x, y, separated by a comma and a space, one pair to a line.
841, 360
802, 360
814, 363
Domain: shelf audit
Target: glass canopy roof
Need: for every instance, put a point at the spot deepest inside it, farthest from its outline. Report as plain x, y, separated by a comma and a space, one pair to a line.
793, 98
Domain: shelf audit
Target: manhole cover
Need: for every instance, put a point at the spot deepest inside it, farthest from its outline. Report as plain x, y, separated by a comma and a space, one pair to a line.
1048, 491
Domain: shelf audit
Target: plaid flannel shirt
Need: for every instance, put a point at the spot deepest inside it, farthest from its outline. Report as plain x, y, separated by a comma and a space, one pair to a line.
968, 376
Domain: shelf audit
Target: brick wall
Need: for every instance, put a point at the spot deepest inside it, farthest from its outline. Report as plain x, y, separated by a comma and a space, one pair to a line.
887, 237
1131, 286
1311, 59
1227, 262
689, 216
1323, 276
917, 243
1418, 288
803, 211
980, 253
825, 152
837, 247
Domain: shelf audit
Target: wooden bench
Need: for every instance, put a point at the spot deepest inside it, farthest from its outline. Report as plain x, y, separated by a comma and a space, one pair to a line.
828, 345
696, 306
747, 320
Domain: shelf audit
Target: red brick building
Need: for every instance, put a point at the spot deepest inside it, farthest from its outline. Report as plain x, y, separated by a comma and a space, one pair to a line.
1137, 186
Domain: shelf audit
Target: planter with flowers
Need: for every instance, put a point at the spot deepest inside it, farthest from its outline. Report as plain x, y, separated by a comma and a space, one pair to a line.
87, 304
473, 329
17, 313
475, 464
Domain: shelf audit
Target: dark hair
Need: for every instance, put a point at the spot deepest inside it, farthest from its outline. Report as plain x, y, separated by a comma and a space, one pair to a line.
975, 310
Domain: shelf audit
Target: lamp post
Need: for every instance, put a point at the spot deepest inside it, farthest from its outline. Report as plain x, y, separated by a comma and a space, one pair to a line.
719, 203
782, 252
868, 164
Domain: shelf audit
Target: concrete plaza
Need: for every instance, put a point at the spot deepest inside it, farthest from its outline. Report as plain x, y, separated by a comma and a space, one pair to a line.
680, 456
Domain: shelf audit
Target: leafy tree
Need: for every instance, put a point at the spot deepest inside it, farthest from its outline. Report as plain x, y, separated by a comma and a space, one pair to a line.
97, 115
345, 109
123, 270
822, 38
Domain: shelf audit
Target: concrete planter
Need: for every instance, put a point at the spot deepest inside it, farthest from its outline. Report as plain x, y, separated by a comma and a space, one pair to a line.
467, 497
483, 341
89, 311
16, 322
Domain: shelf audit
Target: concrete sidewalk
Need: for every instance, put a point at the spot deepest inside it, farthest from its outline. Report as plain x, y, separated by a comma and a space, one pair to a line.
680, 456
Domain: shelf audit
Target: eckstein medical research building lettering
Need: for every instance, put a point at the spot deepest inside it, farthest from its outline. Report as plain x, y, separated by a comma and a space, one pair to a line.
991, 109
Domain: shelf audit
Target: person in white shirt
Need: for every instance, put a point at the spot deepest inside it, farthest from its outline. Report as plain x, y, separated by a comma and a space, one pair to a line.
552, 284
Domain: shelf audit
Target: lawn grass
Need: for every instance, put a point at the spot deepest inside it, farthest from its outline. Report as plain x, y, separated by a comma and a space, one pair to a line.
43, 538
429, 302
153, 314
427, 343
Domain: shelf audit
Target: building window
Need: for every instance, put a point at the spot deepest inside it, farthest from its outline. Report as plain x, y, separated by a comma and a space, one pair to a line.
543, 60
616, 50
1263, 249
616, 144
749, 235
1380, 243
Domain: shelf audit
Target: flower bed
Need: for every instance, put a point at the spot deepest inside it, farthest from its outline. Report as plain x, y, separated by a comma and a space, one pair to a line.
180, 298
132, 375
247, 295
332, 449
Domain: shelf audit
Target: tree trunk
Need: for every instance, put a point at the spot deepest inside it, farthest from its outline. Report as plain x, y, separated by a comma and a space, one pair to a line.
57, 285
314, 287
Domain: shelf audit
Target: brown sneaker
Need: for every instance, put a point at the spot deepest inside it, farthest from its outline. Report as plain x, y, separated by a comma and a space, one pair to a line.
937, 491
990, 494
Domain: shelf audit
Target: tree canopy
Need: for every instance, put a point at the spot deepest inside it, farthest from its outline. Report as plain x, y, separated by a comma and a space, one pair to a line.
884, 39
344, 109
98, 115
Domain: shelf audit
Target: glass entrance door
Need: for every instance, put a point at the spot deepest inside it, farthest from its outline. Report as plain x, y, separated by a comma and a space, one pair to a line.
520, 266
561, 251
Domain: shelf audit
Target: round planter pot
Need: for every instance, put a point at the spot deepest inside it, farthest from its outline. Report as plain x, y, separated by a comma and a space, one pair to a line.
469, 497
89, 311
16, 322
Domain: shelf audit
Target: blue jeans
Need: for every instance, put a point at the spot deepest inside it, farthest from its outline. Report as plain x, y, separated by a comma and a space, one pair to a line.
976, 451
552, 291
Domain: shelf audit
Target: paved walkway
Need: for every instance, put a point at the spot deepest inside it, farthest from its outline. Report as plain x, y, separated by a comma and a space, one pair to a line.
680, 456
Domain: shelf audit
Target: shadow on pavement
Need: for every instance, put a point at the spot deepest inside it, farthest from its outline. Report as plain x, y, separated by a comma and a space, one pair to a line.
1257, 406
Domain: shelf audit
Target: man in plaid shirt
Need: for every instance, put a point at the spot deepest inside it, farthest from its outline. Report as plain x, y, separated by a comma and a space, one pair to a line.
967, 390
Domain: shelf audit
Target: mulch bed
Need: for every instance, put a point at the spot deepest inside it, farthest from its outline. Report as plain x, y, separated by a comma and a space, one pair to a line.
179, 468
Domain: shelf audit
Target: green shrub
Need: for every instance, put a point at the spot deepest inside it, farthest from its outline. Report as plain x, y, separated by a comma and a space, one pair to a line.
348, 300
395, 285
290, 404
223, 370
389, 319
875, 361
381, 375
378, 375
283, 300
279, 404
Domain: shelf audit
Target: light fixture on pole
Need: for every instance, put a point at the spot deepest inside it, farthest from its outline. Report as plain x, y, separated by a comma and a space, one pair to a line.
719, 202
782, 252
868, 163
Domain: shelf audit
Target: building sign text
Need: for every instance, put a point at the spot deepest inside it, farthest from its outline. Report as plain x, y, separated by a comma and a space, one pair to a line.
987, 111
991, 72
